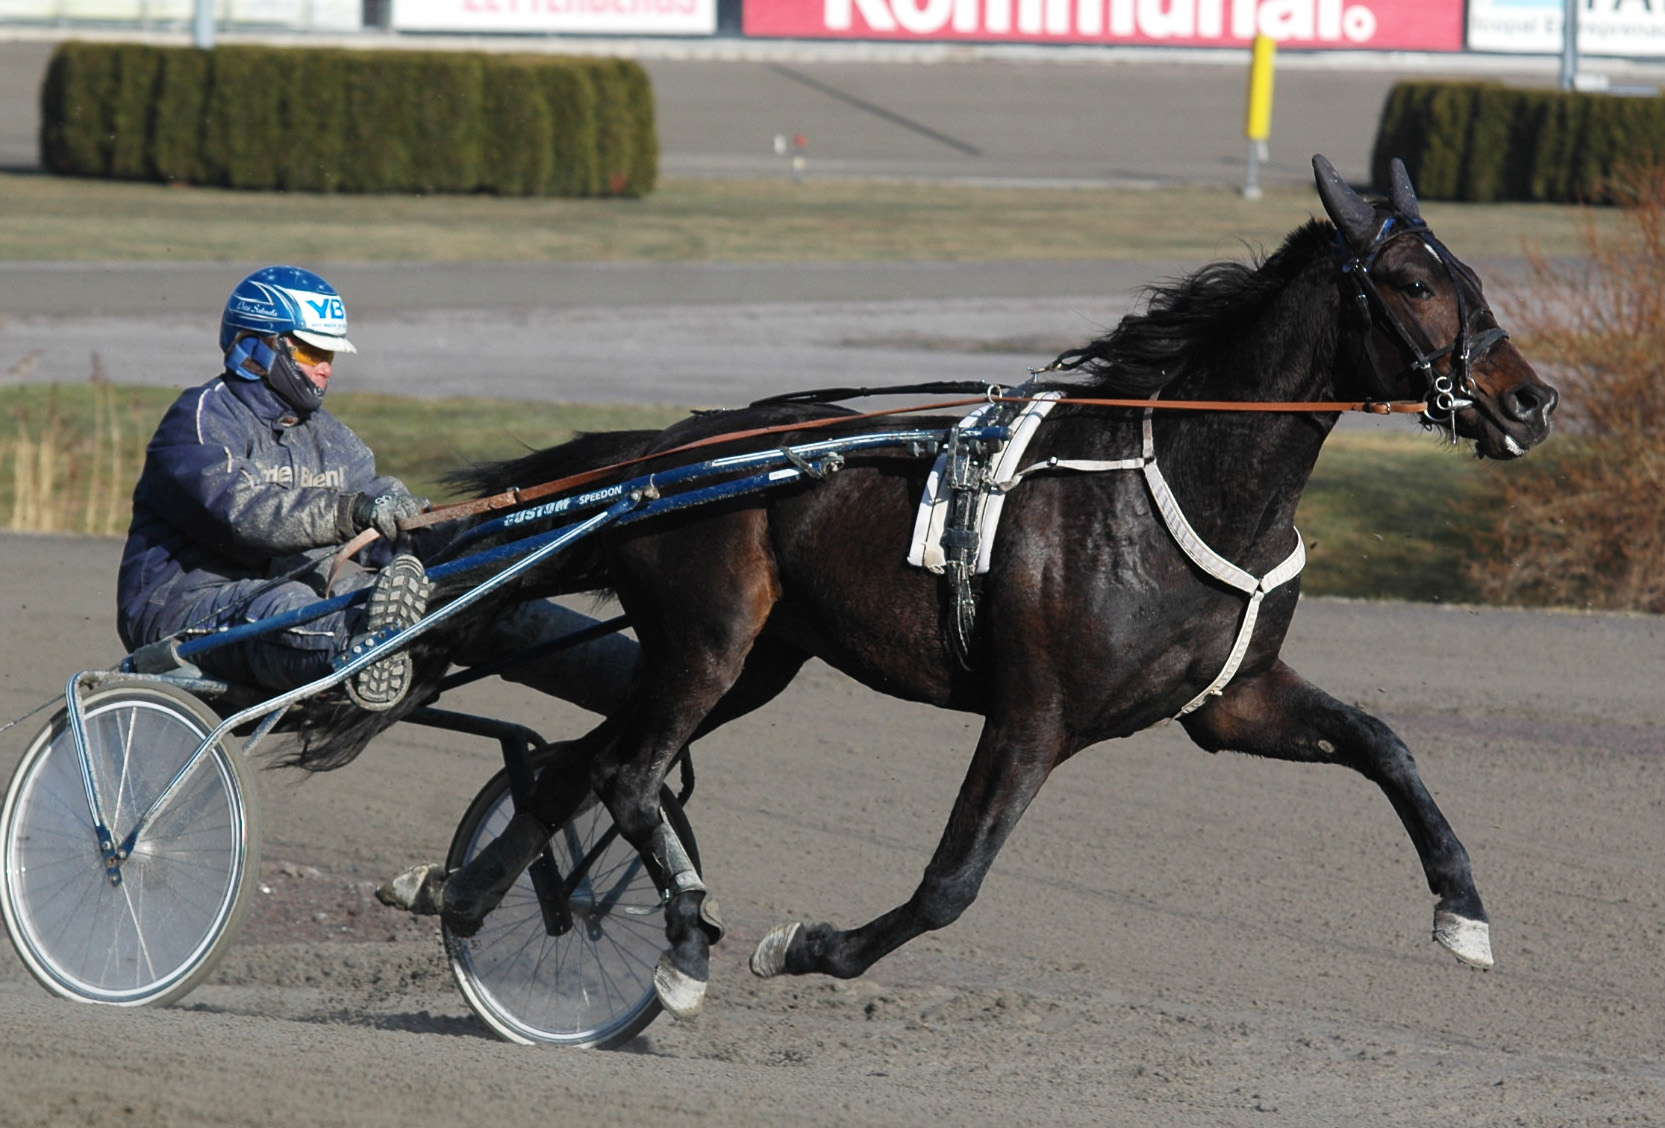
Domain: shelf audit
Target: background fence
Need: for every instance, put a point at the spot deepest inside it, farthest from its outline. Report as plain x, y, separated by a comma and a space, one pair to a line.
1625, 30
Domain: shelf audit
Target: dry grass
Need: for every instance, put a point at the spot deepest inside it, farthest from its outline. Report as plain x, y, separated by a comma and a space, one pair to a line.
1382, 518
1579, 523
68, 463
55, 218
56, 462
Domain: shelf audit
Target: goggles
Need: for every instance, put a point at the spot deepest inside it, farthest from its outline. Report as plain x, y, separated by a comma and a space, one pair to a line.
309, 355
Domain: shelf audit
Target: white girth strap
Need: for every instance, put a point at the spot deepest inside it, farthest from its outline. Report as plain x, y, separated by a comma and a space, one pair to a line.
1201, 555
925, 549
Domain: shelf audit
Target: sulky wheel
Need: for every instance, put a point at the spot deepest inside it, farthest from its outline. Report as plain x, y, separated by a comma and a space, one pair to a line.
590, 985
183, 887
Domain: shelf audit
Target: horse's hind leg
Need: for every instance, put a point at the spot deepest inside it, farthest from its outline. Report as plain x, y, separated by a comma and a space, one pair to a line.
1012, 760
1278, 714
466, 896
698, 627
692, 923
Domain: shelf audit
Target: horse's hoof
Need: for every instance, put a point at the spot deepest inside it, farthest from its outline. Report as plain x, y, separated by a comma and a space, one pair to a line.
679, 992
769, 959
1468, 940
419, 890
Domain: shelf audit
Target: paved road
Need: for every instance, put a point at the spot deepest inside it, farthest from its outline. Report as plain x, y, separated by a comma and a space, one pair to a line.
564, 332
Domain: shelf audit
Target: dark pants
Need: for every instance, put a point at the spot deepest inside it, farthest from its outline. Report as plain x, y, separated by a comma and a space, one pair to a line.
282, 659
595, 676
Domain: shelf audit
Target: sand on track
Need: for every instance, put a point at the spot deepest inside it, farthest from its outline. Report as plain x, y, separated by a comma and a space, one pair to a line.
1171, 938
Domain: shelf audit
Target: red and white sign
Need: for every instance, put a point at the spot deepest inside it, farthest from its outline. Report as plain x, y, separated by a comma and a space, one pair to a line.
605, 17
1381, 25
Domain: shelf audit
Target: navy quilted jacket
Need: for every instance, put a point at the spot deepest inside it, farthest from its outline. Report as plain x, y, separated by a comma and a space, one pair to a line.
235, 486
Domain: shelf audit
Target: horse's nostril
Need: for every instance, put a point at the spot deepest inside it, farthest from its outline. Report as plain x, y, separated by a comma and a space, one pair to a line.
1530, 402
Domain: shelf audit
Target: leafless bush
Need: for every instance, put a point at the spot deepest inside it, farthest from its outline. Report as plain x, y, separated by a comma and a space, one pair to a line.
1579, 523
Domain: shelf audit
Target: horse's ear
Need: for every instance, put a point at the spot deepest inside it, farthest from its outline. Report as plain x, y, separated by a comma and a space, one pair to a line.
1400, 193
1350, 212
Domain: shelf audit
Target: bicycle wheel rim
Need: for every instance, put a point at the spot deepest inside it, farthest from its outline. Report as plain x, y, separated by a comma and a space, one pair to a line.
591, 987
151, 938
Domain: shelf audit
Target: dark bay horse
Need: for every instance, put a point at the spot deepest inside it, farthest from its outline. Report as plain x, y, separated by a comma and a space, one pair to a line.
1094, 621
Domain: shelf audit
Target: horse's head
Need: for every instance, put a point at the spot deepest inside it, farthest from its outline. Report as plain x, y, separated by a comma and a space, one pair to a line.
1418, 327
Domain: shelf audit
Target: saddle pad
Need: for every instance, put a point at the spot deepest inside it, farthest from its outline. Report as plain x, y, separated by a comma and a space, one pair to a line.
926, 549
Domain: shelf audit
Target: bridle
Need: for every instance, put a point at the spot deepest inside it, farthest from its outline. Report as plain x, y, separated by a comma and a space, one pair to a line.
1444, 394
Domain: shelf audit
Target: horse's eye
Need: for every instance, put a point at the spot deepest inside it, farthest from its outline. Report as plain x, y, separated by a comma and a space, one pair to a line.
1417, 290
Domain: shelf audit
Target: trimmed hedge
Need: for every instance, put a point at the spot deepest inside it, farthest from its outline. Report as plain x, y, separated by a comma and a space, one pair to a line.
306, 120
1486, 142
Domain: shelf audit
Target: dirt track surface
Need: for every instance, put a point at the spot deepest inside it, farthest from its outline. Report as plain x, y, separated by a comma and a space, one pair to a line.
1171, 938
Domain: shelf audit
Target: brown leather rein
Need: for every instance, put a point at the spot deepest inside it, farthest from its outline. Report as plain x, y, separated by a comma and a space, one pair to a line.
515, 498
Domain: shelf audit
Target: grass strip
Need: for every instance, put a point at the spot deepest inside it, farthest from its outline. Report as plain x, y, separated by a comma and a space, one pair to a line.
1379, 516
1383, 518
49, 218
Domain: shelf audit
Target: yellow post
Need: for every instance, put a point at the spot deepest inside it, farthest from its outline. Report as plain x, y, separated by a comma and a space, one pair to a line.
1259, 124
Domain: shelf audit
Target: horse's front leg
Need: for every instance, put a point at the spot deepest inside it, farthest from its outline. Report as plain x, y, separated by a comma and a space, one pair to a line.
1279, 714
1013, 759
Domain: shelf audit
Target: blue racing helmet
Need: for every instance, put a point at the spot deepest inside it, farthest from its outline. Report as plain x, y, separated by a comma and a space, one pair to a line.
283, 299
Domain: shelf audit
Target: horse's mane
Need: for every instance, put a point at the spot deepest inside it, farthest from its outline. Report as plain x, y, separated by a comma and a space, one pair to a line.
1204, 310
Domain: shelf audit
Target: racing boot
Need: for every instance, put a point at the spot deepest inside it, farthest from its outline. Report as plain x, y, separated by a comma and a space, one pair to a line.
398, 599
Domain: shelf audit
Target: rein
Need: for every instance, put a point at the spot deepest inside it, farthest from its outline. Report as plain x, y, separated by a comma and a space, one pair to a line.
516, 497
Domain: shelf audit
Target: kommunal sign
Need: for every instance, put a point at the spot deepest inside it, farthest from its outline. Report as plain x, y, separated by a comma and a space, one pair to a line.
606, 17
1400, 25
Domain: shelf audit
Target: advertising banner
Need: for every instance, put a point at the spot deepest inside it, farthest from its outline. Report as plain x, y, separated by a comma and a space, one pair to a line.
1379, 25
603, 17
1622, 28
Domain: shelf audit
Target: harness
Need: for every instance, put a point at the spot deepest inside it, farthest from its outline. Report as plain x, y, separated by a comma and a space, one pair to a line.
967, 469
991, 473
962, 495
1444, 395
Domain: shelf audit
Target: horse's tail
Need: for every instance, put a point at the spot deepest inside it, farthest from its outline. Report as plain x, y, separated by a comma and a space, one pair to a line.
328, 732
578, 568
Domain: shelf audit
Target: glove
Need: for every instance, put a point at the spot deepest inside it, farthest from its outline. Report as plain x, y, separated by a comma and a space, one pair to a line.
385, 512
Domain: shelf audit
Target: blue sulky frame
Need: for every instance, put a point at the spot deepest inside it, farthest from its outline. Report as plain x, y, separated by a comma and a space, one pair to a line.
638, 499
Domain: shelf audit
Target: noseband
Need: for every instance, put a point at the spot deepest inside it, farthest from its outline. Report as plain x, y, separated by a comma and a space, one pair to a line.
1444, 394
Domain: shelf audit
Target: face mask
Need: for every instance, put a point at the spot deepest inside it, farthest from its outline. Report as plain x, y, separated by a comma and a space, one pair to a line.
285, 378
251, 358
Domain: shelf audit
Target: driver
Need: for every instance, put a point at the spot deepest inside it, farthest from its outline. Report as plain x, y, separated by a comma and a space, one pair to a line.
250, 486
